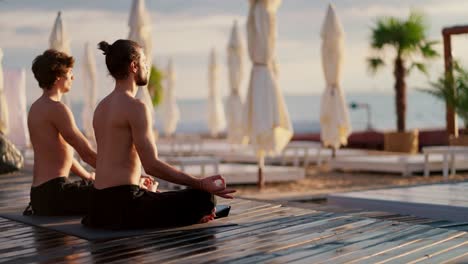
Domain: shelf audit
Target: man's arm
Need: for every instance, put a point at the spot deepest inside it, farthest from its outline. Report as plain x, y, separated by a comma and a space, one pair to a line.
141, 126
141, 123
81, 172
65, 123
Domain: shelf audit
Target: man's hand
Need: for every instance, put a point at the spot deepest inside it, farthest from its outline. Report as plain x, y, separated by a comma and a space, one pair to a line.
217, 186
92, 176
89, 176
148, 183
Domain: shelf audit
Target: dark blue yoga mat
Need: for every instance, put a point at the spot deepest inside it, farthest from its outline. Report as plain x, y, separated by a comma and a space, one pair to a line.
71, 225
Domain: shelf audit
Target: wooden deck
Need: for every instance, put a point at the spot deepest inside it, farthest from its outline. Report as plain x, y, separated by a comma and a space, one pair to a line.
266, 233
438, 201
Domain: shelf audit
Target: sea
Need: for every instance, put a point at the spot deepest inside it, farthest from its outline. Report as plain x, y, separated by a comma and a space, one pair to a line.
423, 112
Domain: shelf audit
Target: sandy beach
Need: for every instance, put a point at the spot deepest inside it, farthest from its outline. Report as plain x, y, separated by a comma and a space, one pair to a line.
322, 181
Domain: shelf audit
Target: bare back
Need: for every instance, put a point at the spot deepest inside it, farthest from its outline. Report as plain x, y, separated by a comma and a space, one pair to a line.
118, 162
52, 155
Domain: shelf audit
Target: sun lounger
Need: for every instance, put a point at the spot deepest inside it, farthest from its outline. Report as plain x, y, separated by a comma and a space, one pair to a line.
404, 163
198, 161
297, 152
180, 145
449, 158
248, 173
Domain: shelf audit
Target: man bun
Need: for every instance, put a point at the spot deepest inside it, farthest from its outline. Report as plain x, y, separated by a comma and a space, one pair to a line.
105, 47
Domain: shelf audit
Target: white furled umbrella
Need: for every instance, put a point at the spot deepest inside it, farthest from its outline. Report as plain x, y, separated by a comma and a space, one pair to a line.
216, 118
140, 32
334, 117
3, 103
267, 119
59, 40
234, 114
90, 90
169, 108
15, 93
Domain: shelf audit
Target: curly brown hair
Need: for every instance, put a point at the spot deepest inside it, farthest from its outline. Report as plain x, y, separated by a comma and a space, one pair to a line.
50, 65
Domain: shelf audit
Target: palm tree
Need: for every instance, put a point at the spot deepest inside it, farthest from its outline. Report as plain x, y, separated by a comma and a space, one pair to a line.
408, 38
155, 85
453, 90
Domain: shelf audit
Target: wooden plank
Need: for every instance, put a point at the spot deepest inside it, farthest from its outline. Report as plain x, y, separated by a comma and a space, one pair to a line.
440, 247
229, 235
150, 240
387, 247
401, 254
224, 235
283, 238
342, 244
320, 249
340, 247
462, 258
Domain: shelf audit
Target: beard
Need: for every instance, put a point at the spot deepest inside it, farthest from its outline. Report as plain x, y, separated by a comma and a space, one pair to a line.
141, 79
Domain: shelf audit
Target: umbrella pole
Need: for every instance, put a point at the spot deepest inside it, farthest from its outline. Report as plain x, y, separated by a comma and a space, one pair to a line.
261, 179
333, 152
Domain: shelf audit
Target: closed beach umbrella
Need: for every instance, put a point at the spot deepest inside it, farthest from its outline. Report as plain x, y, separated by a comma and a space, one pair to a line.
3, 103
90, 90
267, 119
59, 40
169, 108
140, 32
216, 118
234, 115
334, 118
15, 93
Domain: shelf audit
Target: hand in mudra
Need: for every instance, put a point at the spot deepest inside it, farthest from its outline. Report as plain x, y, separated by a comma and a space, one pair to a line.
217, 186
91, 177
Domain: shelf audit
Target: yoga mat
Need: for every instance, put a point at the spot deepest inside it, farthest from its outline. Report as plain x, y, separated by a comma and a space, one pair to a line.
71, 225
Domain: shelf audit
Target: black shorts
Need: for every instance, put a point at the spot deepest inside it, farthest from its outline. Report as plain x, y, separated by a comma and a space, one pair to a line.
60, 196
128, 206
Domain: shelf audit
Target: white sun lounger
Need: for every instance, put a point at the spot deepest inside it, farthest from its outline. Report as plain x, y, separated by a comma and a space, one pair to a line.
248, 173
199, 161
452, 156
235, 173
404, 164
180, 145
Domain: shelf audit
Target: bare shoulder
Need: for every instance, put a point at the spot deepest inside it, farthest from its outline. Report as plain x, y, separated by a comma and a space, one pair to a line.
122, 105
59, 109
137, 107
50, 108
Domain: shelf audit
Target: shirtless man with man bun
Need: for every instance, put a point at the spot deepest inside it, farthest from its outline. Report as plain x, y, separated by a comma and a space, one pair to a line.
125, 141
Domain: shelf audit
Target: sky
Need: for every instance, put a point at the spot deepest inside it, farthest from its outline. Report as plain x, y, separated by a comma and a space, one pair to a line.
186, 31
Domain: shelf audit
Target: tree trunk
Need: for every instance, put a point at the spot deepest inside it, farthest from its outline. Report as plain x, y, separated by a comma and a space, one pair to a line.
400, 94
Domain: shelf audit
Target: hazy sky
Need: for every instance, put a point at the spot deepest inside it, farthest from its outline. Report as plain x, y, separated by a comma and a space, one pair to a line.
186, 30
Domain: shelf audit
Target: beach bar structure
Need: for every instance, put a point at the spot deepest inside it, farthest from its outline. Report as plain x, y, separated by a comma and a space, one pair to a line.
447, 33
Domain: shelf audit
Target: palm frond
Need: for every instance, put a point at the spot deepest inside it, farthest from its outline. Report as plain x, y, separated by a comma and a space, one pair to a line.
427, 49
374, 64
442, 89
385, 32
420, 66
